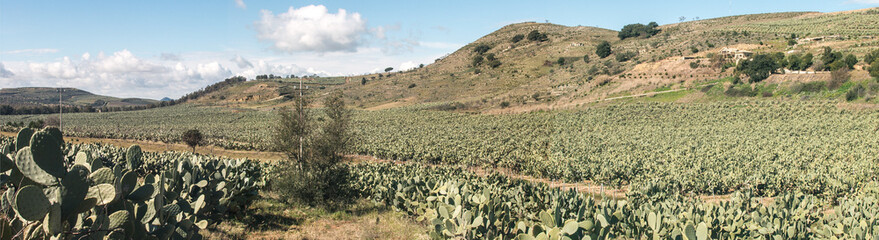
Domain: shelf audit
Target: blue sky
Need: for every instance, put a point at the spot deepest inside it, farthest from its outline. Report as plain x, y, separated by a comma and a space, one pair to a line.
155, 49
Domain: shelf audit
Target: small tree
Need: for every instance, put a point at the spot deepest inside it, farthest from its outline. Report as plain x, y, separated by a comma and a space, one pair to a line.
312, 175
603, 50
874, 69
192, 138
517, 38
363, 81
586, 58
388, 69
561, 61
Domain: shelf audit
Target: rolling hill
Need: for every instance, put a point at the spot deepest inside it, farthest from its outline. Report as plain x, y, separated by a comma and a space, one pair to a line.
42, 96
534, 74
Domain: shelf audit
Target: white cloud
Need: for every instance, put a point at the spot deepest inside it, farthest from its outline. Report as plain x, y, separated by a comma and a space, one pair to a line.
32, 51
241, 62
407, 66
169, 57
240, 4
5, 73
312, 29
120, 74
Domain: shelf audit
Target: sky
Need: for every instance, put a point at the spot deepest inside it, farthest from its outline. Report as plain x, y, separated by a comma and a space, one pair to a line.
162, 48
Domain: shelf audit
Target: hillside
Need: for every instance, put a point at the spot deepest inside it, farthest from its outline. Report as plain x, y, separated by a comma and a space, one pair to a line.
553, 73
42, 96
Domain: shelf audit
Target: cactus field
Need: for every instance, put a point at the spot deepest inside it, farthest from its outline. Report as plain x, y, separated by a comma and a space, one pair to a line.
63, 191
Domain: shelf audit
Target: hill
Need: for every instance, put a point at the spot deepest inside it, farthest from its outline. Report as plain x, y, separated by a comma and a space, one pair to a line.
562, 69
42, 96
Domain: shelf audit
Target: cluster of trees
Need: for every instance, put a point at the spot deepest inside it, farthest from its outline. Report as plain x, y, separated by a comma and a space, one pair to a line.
760, 66
270, 76
536, 36
872, 59
835, 60
482, 58
517, 38
639, 30
798, 62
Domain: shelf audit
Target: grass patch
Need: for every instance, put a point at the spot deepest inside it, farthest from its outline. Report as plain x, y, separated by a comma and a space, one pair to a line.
669, 96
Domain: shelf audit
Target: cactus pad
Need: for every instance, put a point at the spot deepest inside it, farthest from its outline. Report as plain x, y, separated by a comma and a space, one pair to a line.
23, 139
142, 193
103, 193
5, 163
55, 132
118, 219
47, 153
24, 159
133, 157
52, 222
103, 175
127, 183
74, 188
31, 204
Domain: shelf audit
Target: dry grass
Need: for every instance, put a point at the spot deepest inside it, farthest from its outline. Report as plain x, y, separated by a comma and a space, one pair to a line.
271, 218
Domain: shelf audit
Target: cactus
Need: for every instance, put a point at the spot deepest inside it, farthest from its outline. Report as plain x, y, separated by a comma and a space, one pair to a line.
26, 163
23, 139
127, 183
47, 154
142, 193
103, 194
55, 132
74, 188
6, 164
31, 204
102, 176
133, 157
52, 222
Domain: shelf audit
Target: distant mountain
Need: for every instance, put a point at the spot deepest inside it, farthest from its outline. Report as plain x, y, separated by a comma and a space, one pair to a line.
42, 96
166, 99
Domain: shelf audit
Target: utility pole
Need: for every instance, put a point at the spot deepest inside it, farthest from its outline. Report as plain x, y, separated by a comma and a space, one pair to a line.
60, 108
301, 120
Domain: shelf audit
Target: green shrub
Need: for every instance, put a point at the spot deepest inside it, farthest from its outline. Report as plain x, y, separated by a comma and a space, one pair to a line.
855, 92
603, 49
517, 38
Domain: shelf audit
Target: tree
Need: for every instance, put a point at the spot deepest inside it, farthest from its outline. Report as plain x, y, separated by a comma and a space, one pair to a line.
363, 81
561, 61
870, 57
850, 61
192, 138
481, 48
638, 30
586, 58
476, 60
313, 174
517, 38
536, 36
874, 69
388, 69
758, 68
603, 49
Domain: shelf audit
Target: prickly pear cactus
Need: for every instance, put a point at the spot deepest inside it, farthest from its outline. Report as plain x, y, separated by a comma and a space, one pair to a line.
133, 157
96, 187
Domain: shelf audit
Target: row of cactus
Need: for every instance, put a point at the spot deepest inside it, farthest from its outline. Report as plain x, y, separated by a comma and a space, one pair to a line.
458, 204
60, 191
